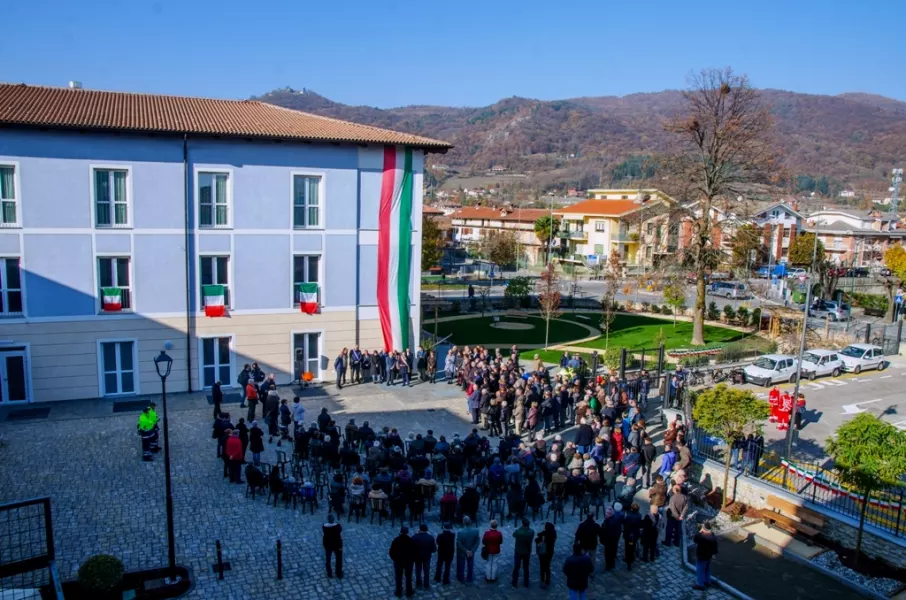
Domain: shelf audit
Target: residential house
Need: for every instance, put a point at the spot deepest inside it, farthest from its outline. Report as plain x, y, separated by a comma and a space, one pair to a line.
472, 223
780, 224
855, 237
129, 220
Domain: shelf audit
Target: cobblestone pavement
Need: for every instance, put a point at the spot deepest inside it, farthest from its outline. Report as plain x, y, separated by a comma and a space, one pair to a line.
106, 500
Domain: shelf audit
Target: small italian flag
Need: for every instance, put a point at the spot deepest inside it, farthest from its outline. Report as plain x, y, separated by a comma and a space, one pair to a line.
112, 299
214, 305
308, 298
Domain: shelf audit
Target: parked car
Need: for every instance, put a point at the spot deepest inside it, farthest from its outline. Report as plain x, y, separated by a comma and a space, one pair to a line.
728, 289
835, 311
885, 272
859, 357
837, 272
796, 272
817, 363
770, 369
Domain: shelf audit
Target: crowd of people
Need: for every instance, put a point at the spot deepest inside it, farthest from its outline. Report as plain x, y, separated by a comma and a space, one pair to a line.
517, 460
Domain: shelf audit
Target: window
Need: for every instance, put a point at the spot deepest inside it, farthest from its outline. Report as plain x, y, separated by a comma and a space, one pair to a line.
306, 353
306, 201
600, 225
649, 228
599, 249
648, 252
111, 204
9, 213
216, 361
213, 199
114, 273
838, 243
306, 269
215, 270
10, 287
118, 368
624, 197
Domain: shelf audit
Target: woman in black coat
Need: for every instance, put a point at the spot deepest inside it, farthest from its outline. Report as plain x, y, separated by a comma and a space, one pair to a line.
256, 442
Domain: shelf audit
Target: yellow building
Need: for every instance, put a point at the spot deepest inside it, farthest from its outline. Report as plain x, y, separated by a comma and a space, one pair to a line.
633, 223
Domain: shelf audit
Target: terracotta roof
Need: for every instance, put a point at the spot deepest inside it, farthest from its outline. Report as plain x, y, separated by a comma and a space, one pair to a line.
27, 105
526, 215
602, 208
430, 210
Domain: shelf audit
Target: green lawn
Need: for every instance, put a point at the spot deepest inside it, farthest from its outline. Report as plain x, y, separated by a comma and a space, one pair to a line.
478, 330
634, 331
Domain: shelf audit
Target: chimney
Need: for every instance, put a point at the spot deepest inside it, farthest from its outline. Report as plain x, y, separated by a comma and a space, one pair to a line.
75, 85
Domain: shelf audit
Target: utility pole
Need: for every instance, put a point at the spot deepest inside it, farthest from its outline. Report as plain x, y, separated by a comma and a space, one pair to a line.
896, 178
808, 301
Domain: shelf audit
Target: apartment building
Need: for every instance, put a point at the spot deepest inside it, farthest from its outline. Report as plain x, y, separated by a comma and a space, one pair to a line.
779, 223
855, 237
131, 219
632, 223
472, 223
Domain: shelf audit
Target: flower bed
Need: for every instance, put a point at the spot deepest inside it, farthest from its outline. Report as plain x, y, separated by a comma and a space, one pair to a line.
690, 352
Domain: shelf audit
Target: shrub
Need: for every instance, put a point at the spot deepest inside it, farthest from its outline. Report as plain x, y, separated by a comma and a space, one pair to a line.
655, 309
646, 306
729, 313
742, 315
734, 352
713, 312
611, 358
101, 575
666, 310
755, 318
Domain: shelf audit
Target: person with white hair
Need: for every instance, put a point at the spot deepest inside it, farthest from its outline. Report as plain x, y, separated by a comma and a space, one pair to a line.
611, 530
492, 540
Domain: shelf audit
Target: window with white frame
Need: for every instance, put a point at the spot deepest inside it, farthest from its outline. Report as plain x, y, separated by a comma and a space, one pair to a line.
215, 270
213, 199
111, 198
9, 202
306, 269
113, 273
306, 201
600, 225
216, 361
10, 287
117, 368
306, 353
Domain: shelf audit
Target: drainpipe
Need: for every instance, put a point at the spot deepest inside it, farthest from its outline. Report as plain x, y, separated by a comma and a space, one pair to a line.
185, 197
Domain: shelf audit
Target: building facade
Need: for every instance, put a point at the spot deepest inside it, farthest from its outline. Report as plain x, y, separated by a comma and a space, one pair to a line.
473, 223
855, 238
122, 212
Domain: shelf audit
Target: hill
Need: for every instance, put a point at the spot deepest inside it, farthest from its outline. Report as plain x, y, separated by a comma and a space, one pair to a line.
850, 140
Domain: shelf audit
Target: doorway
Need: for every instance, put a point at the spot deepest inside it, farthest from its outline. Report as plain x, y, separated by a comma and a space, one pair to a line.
13, 375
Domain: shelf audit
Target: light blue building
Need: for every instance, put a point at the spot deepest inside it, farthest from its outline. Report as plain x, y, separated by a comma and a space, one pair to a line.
147, 199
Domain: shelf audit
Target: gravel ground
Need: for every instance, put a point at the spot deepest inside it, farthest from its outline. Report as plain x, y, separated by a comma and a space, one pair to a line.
830, 561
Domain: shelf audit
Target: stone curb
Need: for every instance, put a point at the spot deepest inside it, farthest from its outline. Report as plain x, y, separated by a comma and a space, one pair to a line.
866, 592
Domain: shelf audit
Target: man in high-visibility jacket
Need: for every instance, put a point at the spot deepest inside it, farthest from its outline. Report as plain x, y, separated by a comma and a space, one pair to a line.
146, 429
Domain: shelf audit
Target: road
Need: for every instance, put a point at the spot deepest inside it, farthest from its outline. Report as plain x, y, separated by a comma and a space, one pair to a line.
830, 402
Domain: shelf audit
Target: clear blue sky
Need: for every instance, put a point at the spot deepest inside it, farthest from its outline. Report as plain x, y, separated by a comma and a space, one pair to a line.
460, 52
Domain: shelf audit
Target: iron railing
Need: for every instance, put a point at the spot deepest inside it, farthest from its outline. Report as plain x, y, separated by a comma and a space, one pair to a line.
27, 551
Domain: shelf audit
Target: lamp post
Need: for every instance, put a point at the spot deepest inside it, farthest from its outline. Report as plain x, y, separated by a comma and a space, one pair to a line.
163, 363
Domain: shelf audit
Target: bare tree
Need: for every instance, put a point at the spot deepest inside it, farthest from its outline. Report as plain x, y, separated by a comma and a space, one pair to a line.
608, 302
484, 292
722, 144
549, 297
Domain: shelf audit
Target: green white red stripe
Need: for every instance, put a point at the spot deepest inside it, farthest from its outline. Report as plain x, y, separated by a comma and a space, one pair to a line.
308, 297
112, 298
214, 300
395, 247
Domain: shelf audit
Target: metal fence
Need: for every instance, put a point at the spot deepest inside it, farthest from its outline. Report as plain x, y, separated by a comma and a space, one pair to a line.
888, 336
27, 551
812, 481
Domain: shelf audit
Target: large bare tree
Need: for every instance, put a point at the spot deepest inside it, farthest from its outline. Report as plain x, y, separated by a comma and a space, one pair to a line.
722, 144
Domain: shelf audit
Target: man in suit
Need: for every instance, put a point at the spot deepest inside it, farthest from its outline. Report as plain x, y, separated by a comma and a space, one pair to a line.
402, 553
446, 548
466, 544
425, 546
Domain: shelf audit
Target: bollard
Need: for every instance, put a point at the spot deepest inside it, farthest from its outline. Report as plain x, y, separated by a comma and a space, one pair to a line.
279, 559
219, 560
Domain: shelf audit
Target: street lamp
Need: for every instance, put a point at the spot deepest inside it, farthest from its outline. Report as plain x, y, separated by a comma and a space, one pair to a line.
163, 363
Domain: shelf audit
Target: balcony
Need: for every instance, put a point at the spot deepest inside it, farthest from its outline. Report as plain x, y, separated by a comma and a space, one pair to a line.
625, 237
573, 235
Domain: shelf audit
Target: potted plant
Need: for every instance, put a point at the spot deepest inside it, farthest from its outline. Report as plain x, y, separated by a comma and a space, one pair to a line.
101, 577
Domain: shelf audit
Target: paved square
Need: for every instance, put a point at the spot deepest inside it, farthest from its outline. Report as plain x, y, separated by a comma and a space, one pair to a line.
106, 500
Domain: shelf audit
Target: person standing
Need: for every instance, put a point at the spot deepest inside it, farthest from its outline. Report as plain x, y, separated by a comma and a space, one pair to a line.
355, 363
446, 548
578, 569
233, 450
677, 506
424, 548
216, 398
432, 366
632, 526
610, 537
466, 545
650, 526
648, 456
405, 371
256, 443
332, 538
245, 375
587, 536
272, 414
522, 552
402, 553
492, 541
705, 550
339, 366
251, 396
421, 364
544, 546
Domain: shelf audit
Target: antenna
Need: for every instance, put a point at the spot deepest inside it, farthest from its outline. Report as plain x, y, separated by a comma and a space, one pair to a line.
896, 178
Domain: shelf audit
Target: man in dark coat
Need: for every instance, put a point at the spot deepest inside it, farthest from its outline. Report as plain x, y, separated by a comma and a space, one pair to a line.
424, 548
578, 568
610, 537
216, 398
332, 537
402, 553
587, 536
446, 549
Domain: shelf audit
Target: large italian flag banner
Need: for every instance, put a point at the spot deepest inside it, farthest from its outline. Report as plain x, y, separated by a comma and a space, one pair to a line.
394, 247
214, 304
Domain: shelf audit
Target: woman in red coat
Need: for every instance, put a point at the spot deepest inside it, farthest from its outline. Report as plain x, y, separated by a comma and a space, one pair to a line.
492, 540
616, 449
774, 401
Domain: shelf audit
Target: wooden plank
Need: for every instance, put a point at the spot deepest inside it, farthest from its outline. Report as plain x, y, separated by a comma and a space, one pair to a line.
794, 510
789, 524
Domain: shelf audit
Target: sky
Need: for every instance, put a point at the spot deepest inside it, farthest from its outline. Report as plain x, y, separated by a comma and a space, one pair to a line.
456, 53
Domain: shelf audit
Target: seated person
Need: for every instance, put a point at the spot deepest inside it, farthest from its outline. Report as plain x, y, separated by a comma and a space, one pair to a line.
515, 500
469, 502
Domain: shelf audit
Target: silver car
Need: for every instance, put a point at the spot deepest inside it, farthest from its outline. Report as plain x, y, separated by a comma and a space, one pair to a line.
835, 311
